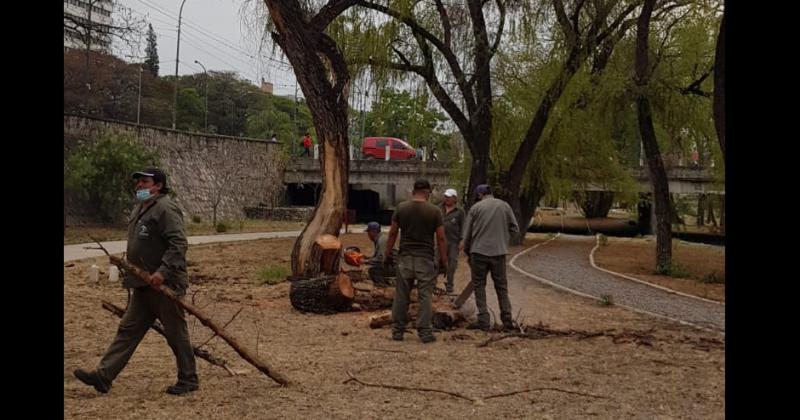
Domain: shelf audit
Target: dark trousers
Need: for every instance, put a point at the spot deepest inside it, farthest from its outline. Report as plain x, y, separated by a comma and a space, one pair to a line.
145, 307
306, 152
382, 276
411, 270
480, 266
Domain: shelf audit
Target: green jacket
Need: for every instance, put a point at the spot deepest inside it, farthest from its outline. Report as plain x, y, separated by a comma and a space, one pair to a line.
453, 224
157, 242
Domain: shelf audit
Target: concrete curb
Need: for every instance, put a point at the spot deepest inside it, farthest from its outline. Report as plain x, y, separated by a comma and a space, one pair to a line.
624, 276
575, 292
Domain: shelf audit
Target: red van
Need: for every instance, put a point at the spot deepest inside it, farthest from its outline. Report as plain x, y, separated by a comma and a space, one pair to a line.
375, 148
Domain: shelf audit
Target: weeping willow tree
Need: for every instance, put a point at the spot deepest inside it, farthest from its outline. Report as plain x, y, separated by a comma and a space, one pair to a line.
447, 46
589, 136
580, 148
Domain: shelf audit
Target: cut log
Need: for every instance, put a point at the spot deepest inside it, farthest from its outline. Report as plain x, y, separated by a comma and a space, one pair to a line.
201, 353
331, 247
323, 295
243, 351
445, 317
379, 320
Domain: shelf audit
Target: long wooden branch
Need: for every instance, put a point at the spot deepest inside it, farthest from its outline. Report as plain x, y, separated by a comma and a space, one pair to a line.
352, 378
546, 388
407, 388
203, 354
243, 351
223, 327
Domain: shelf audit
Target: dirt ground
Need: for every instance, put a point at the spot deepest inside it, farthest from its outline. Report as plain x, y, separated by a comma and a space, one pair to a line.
637, 258
676, 376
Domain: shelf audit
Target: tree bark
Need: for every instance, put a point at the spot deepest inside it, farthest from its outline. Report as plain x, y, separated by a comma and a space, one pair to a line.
719, 86
323, 295
655, 165
701, 210
322, 74
595, 203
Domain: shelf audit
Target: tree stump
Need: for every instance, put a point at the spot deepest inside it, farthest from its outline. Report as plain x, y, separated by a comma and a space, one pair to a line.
323, 295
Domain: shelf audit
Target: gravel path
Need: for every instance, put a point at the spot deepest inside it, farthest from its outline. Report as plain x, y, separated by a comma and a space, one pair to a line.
565, 262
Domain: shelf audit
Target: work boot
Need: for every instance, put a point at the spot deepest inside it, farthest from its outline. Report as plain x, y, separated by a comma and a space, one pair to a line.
427, 338
397, 335
510, 326
478, 326
93, 379
180, 389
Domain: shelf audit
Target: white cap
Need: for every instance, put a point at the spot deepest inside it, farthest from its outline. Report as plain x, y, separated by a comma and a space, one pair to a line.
450, 193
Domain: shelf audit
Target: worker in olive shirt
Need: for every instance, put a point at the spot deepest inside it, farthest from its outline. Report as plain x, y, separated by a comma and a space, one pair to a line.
453, 220
490, 226
157, 244
381, 274
418, 221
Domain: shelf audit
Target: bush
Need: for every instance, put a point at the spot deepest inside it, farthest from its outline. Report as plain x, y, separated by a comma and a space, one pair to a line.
714, 278
606, 300
673, 270
221, 227
272, 274
196, 219
100, 173
603, 240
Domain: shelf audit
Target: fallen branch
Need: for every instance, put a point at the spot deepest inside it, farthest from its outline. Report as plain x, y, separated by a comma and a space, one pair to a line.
386, 350
642, 338
405, 388
506, 394
204, 319
223, 327
203, 354
462, 396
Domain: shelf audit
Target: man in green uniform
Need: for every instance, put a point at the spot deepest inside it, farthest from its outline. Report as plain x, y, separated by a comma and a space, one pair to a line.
381, 274
157, 244
418, 221
453, 220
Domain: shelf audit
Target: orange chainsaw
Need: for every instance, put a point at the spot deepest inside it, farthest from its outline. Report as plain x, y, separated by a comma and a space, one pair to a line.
353, 256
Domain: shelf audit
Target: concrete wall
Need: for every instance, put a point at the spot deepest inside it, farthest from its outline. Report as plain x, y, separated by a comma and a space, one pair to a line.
248, 172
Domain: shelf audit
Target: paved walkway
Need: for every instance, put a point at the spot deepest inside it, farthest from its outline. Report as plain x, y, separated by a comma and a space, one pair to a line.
78, 251
564, 263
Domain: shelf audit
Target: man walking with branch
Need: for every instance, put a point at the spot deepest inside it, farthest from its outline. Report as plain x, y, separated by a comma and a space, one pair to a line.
156, 243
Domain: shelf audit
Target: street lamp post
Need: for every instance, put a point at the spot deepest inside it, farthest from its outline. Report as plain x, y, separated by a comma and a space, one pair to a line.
139, 103
206, 76
177, 61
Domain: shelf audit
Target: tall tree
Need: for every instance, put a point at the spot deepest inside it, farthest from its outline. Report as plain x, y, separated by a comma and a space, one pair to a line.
449, 45
655, 165
90, 31
586, 28
323, 75
719, 86
151, 52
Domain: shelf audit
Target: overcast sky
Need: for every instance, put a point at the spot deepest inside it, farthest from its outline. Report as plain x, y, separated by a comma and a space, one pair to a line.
212, 32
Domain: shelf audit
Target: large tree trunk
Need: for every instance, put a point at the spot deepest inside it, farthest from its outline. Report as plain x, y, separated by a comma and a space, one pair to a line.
719, 86
710, 218
322, 295
658, 175
595, 203
323, 76
701, 210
